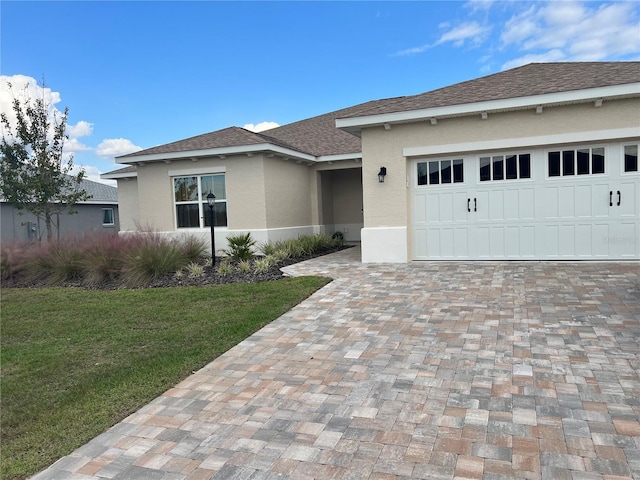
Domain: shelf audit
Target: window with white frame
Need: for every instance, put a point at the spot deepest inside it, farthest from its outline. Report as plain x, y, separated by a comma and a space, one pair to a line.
631, 158
505, 167
190, 198
107, 217
439, 172
579, 161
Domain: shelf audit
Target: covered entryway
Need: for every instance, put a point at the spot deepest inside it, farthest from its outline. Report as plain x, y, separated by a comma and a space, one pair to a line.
341, 202
561, 203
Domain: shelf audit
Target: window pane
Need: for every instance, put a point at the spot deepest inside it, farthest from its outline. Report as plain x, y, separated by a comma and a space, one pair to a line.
554, 164
219, 214
107, 216
214, 184
458, 171
187, 215
597, 160
512, 167
631, 158
434, 173
446, 171
186, 189
568, 163
422, 173
485, 169
498, 168
525, 165
583, 162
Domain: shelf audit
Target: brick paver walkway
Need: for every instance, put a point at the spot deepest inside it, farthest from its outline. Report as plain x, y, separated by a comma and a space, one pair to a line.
426, 370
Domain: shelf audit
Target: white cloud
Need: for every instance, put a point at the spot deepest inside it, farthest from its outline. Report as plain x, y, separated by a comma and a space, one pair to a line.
573, 31
80, 129
114, 147
260, 127
472, 31
72, 145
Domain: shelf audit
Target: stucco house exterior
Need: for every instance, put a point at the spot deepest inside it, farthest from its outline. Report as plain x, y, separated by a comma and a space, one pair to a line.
539, 162
97, 214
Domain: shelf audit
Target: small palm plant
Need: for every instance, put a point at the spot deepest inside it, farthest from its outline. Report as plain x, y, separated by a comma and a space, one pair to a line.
240, 247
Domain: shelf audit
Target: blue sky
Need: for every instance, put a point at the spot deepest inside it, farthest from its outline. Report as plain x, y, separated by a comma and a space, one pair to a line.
139, 74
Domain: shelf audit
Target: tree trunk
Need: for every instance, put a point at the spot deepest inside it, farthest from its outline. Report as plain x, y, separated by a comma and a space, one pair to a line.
47, 221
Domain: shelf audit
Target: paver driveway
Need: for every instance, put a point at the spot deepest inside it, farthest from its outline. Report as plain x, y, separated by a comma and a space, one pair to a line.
427, 370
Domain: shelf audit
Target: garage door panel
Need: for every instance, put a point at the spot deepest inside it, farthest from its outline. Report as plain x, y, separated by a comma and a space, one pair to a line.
420, 209
479, 205
512, 242
567, 240
526, 206
460, 213
600, 200
567, 201
585, 246
528, 241
433, 208
584, 208
627, 200
420, 243
461, 243
496, 205
446, 207
480, 242
600, 240
548, 208
497, 242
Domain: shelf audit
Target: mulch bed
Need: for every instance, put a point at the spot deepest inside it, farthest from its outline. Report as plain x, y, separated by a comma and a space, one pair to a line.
210, 277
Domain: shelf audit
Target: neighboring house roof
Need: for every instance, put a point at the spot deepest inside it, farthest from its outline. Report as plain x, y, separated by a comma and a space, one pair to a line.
100, 193
335, 133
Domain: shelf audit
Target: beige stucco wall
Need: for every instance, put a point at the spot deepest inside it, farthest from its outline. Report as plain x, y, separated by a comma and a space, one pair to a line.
287, 186
246, 208
128, 210
386, 204
346, 192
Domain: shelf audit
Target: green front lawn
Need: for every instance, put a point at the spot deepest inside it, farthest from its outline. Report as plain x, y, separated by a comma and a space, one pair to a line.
75, 362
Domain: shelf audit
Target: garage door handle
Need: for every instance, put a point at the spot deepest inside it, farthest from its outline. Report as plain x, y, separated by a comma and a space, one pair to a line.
475, 204
619, 197
468, 204
610, 198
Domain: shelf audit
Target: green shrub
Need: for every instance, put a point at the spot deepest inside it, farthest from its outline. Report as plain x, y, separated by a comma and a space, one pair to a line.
193, 249
151, 259
262, 265
224, 268
195, 270
240, 247
244, 266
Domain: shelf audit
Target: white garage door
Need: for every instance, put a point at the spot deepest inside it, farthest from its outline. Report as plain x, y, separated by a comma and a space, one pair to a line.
558, 204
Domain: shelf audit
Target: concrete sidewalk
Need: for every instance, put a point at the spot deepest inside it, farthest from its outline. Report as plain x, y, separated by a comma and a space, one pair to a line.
424, 370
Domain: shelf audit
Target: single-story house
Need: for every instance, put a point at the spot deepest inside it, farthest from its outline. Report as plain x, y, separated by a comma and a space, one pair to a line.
97, 214
535, 163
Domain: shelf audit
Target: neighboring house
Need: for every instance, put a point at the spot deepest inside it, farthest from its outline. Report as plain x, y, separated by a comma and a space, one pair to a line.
97, 214
539, 162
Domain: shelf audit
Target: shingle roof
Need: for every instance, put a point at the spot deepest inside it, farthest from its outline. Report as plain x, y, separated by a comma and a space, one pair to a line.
99, 192
319, 136
531, 79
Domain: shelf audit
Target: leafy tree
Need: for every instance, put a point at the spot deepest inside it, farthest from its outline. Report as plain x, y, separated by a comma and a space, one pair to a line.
34, 174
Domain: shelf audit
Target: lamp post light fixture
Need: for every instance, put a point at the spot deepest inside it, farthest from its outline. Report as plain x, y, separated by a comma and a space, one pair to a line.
211, 200
381, 174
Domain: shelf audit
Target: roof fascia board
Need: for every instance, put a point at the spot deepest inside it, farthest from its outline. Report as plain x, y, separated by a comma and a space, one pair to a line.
212, 152
577, 137
478, 107
115, 176
339, 157
98, 202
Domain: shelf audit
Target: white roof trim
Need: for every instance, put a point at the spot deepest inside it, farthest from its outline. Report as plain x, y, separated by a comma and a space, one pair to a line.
115, 176
577, 137
532, 101
210, 152
337, 158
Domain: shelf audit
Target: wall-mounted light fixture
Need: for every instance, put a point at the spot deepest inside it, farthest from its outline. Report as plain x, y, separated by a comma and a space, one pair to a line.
381, 174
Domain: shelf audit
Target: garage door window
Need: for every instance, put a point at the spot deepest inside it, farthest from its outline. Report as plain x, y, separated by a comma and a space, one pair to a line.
630, 158
505, 167
581, 161
437, 172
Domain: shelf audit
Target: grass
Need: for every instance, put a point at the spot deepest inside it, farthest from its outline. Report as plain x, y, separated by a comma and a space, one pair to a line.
75, 362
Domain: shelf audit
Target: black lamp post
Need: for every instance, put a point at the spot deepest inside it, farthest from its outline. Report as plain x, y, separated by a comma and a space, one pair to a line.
211, 200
